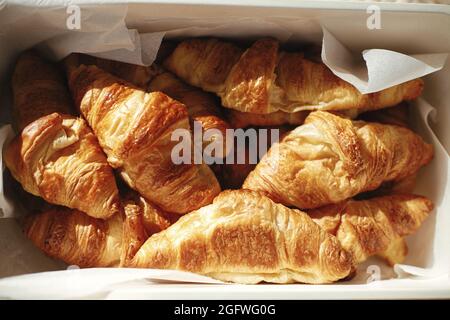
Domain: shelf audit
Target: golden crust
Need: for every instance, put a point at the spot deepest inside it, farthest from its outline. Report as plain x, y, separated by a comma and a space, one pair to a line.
76, 238
153, 218
201, 106
248, 85
38, 90
307, 85
399, 116
396, 252
264, 80
142, 219
58, 158
245, 237
330, 159
375, 226
203, 63
134, 129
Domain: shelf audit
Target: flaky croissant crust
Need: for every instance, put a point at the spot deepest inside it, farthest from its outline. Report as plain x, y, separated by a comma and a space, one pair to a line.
371, 227
263, 79
202, 107
75, 238
134, 129
58, 158
330, 159
245, 237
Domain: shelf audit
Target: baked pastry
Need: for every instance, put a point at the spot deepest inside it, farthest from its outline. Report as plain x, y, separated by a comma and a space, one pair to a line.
245, 237
38, 90
399, 116
264, 79
376, 226
72, 236
142, 219
153, 218
202, 107
77, 239
330, 159
135, 130
58, 158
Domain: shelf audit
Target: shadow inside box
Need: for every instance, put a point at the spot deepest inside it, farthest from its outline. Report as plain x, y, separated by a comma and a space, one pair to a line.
431, 182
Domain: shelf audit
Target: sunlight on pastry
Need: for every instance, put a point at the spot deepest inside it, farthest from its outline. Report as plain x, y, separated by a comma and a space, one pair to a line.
324, 181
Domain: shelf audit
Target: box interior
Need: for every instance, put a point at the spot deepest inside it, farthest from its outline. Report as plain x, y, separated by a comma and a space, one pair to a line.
408, 32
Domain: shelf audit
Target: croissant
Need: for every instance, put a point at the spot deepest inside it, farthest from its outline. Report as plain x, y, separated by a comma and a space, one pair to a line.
330, 159
58, 158
76, 238
153, 218
72, 236
399, 116
264, 79
135, 130
202, 107
245, 237
38, 90
374, 226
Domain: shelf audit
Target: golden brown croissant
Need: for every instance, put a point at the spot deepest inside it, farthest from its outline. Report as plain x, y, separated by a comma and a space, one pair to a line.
245, 237
38, 90
58, 158
399, 116
75, 238
330, 159
134, 129
153, 218
264, 79
375, 226
138, 75
202, 106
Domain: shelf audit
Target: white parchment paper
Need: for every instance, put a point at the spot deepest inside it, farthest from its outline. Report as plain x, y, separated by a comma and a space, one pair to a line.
379, 69
371, 70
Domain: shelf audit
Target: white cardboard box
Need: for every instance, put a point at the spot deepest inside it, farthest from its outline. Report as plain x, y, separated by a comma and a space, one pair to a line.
409, 29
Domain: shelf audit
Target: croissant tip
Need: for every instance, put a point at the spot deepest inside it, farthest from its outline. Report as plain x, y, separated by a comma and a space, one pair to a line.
414, 89
429, 205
